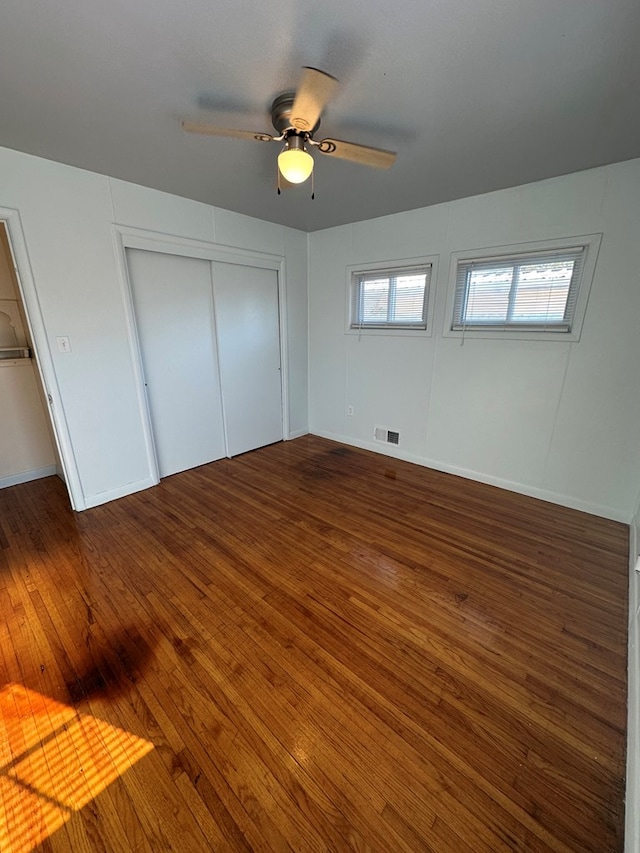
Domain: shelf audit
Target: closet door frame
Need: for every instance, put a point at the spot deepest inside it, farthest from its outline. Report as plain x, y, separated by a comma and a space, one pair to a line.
135, 238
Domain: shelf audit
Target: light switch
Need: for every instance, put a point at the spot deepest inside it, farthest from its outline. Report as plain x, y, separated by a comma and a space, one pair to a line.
63, 344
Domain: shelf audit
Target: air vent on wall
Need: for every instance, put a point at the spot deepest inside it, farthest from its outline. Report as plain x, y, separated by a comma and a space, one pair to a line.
385, 435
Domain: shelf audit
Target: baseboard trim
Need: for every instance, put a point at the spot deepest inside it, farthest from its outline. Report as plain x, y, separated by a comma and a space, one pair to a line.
297, 433
91, 501
520, 488
27, 476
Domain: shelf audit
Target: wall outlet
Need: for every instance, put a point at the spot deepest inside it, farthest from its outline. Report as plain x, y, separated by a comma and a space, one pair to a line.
349, 410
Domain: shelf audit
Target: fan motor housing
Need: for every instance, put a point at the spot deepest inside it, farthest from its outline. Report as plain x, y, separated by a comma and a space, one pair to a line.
281, 111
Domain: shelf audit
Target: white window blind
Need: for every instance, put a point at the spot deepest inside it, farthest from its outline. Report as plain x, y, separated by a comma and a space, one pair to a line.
390, 299
524, 292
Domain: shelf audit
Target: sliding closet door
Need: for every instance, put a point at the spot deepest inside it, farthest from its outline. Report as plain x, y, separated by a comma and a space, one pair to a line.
248, 329
173, 305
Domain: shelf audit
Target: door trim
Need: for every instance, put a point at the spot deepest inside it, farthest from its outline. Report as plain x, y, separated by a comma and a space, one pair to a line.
127, 237
42, 353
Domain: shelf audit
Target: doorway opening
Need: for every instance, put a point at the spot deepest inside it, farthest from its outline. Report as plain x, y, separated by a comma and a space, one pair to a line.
28, 448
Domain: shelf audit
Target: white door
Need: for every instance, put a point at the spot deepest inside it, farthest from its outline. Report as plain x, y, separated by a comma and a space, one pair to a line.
248, 329
173, 305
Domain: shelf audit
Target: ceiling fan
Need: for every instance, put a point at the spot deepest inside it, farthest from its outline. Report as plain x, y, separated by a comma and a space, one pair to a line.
296, 117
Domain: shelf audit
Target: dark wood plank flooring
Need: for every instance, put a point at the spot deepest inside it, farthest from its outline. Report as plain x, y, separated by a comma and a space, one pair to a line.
311, 647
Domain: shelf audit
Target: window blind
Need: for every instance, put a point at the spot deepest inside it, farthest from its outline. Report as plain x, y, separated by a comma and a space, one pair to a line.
398, 298
528, 292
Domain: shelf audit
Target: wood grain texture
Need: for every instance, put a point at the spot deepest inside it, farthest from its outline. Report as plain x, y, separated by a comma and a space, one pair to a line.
328, 650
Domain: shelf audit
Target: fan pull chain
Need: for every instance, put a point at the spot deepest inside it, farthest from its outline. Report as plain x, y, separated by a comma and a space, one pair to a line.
278, 171
313, 186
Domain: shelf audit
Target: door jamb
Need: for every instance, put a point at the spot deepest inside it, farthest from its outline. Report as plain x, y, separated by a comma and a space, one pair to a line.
42, 354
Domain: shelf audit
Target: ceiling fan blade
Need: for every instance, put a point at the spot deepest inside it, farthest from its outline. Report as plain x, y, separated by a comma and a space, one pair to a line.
315, 90
210, 130
377, 157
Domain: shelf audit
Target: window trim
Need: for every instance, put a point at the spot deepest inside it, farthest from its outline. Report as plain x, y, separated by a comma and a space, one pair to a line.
591, 244
385, 268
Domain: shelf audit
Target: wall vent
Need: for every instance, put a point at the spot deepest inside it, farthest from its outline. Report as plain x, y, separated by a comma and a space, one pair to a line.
385, 435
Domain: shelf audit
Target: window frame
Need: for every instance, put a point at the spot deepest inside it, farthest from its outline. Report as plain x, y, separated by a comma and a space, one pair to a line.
387, 268
591, 244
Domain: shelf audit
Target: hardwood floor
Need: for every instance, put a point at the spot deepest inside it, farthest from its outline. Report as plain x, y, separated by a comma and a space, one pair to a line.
311, 647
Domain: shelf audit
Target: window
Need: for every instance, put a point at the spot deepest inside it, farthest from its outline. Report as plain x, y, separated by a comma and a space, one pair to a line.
534, 291
395, 298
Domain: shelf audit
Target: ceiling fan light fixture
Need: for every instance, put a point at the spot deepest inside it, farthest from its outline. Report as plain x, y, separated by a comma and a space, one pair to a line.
295, 164
296, 117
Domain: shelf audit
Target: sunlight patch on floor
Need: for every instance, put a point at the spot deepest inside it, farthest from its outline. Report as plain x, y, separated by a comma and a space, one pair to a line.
53, 762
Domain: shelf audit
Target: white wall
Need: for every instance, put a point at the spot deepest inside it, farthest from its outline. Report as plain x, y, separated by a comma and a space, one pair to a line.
67, 216
632, 834
553, 419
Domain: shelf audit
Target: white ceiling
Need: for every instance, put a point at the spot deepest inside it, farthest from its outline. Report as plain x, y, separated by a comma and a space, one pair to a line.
474, 95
